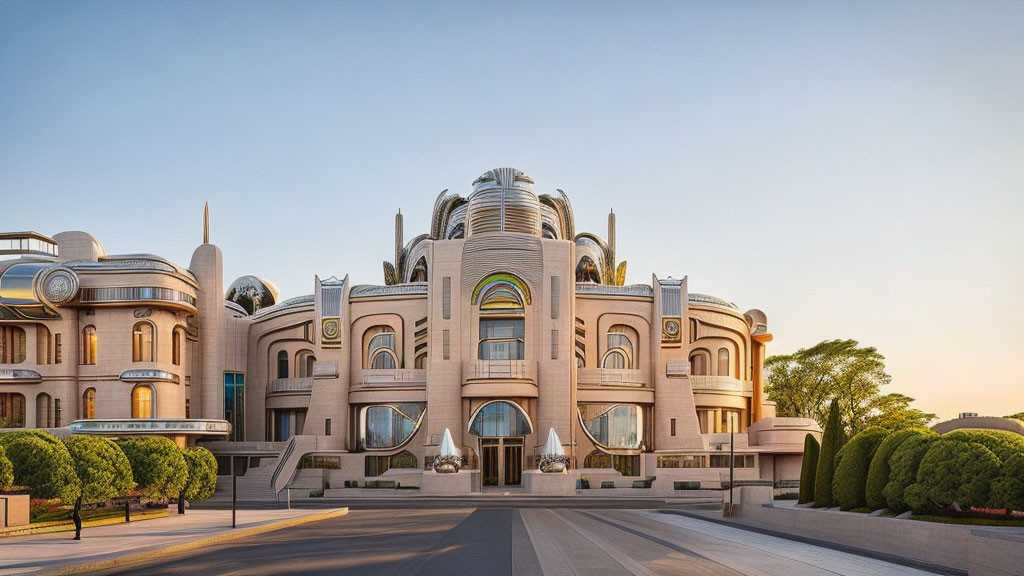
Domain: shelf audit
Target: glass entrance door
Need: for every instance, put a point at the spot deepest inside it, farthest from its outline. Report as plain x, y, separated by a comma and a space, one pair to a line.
501, 461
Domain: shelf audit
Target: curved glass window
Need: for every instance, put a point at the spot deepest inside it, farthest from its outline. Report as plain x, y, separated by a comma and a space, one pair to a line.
613, 425
89, 404
500, 418
142, 402
12, 345
142, 342
390, 425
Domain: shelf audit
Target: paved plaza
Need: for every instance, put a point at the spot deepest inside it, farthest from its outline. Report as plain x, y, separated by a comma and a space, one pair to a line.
515, 541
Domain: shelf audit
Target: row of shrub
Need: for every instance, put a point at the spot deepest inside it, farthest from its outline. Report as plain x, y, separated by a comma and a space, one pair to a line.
99, 469
913, 469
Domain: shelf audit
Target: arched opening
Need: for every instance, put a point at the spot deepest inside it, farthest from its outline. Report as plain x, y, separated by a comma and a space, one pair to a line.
282, 364
12, 410
304, 361
419, 271
381, 352
12, 345
89, 345
724, 368
89, 404
500, 426
587, 271
143, 402
619, 352
176, 341
44, 345
143, 342
698, 365
44, 410
502, 321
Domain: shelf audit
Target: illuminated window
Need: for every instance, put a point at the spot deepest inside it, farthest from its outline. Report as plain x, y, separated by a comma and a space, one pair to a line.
12, 345
89, 345
142, 402
142, 342
89, 404
176, 347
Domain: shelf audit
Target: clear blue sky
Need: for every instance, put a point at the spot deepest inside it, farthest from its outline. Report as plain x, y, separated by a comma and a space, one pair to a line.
855, 170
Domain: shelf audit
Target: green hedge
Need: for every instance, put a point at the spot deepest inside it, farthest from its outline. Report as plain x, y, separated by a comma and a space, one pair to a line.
903, 465
1003, 444
101, 466
6, 470
832, 440
44, 466
808, 468
8, 438
1008, 489
878, 472
158, 467
953, 471
852, 463
202, 474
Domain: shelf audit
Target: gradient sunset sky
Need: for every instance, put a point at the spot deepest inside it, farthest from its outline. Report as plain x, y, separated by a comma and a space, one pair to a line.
855, 170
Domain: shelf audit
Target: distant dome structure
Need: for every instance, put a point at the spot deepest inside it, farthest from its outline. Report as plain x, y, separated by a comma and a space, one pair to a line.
252, 293
503, 201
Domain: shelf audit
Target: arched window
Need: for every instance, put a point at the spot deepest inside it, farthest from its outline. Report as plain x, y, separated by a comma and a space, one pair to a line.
89, 404
282, 364
44, 345
12, 409
619, 352
12, 345
388, 426
500, 418
304, 360
419, 271
587, 271
381, 352
421, 361
723, 362
176, 346
698, 367
142, 342
502, 323
44, 410
89, 345
143, 405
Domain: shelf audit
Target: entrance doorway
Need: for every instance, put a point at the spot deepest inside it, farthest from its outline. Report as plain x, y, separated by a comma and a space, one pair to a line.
501, 461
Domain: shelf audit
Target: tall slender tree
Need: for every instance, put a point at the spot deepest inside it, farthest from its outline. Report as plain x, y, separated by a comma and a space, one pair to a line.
808, 469
832, 440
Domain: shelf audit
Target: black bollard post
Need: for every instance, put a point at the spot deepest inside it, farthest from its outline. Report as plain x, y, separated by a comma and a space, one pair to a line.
127, 510
233, 501
181, 503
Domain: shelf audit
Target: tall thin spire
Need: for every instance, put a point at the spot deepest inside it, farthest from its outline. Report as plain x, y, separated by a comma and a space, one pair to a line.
611, 234
206, 223
399, 233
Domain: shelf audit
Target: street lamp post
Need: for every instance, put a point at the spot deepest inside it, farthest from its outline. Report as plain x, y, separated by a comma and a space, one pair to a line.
732, 464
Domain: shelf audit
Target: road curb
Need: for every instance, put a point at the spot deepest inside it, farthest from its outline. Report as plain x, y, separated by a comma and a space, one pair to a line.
205, 541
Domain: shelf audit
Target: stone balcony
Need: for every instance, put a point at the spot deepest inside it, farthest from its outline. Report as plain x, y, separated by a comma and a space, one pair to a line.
500, 370
610, 377
290, 386
721, 385
399, 377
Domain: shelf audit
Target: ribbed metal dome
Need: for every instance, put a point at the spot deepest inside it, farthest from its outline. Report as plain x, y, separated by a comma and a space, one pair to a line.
503, 201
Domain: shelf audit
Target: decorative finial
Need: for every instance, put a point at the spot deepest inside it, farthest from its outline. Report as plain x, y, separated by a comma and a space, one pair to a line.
206, 223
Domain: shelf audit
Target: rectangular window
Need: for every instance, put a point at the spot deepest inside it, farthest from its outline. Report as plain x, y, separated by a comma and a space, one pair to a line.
327, 427
56, 412
188, 396
446, 345
234, 404
672, 426
554, 344
501, 339
446, 298
556, 296
57, 350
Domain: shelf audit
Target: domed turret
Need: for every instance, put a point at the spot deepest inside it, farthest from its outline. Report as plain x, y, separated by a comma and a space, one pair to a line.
252, 293
503, 201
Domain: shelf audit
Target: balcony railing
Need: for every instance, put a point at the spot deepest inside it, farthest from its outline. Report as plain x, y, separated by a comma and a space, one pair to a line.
290, 386
500, 369
395, 377
721, 384
609, 377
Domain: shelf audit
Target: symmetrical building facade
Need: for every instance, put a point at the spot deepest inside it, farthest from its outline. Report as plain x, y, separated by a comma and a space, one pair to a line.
499, 324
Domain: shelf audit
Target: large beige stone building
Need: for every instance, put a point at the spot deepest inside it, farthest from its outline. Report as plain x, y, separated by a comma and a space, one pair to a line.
501, 323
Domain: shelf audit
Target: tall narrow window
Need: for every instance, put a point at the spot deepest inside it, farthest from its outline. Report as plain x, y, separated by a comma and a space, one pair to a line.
89, 404
723, 362
176, 347
502, 325
89, 345
142, 401
58, 353
57, 412
142, 342
282, 364
44, 410
44, 345
672, 427
12, 345
234, 403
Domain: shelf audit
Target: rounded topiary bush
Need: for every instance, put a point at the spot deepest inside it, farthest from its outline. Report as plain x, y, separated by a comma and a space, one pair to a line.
6, 470
8, 438
878, 472
202, 474
101, 466
953, 471
1008, 489
808, 468
903, 465
44, 466
1002, 443
158, 467
852, 463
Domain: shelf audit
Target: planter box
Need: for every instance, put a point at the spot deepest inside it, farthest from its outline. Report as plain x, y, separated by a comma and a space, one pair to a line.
14, 510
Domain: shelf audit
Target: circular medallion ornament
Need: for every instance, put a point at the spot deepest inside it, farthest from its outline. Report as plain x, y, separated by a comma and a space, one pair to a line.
60, 285
672, 328
331, 329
